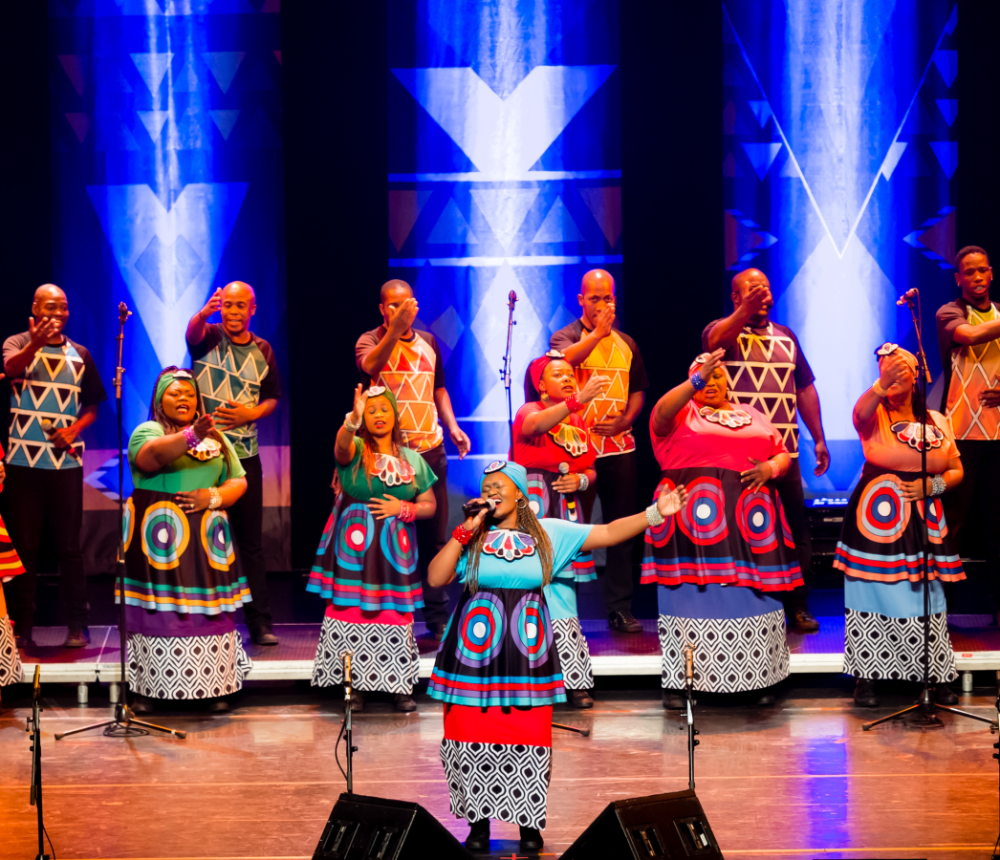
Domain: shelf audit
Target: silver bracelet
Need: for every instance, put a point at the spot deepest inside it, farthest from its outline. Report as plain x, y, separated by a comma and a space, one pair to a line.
215, 500
938, 486
654, 517
354, 428
584, 483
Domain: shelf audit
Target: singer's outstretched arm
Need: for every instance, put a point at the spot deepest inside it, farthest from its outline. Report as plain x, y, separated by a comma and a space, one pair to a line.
615, 532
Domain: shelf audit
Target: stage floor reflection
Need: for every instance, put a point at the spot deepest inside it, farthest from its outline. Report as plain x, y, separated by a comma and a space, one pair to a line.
797, 780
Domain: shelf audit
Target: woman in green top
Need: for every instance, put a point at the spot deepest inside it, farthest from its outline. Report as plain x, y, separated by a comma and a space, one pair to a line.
180, 587
366, 564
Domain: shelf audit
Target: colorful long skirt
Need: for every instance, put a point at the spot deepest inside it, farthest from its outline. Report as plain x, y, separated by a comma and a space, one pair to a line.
881, 554
181, 590
10, 661
738, 635
383, 650
498, 674
367, 569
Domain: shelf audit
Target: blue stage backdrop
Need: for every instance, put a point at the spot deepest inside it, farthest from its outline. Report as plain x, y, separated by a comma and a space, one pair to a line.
841, 153
504, 174
166, 159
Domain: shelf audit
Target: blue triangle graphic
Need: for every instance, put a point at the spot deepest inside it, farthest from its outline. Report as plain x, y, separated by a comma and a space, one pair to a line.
153, 120
187, 80
152, 67
558, 226
762, 156
761, 110
224, 121
947, 155
949, 110
452, 228
223, 65
947, 63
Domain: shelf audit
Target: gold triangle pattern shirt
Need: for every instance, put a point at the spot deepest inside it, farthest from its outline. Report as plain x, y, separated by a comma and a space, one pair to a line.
974, 368
766, 369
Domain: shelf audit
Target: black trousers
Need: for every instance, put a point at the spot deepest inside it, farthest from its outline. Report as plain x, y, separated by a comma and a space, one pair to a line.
432, 535
246, 518
617, 489
789, 488
972, 509
34, 497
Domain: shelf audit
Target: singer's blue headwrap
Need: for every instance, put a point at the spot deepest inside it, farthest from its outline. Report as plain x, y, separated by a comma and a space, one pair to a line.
516, 472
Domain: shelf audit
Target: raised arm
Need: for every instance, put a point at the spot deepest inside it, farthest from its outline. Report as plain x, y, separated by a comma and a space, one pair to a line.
198, 324
577, 353
539, 423
159, 452
724, 333
400, 322
892, 370
615, 532
676, 398
18, 362
343, 447
970, 335
441, 570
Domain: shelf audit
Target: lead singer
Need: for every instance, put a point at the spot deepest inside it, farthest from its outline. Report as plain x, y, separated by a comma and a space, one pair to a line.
552, 442
497, 671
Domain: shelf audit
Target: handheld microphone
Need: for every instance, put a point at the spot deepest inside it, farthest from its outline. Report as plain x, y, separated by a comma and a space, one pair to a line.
688, 652
49, 429
346, 657
908, 296
564, 468
470, 509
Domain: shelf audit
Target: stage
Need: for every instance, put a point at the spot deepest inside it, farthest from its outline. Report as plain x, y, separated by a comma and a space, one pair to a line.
799, 780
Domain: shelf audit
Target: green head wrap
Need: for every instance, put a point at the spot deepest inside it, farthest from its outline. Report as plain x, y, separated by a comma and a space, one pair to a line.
382, 391
168, 379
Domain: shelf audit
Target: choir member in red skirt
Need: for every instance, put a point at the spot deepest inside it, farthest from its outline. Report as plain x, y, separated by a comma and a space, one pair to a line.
722, 560
366, 564
551, 441
498, 670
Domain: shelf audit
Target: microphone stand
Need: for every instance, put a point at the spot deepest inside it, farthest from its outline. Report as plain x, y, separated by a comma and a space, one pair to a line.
124, 724
688, 692
925, 702
34, 730
348, 724
505, 375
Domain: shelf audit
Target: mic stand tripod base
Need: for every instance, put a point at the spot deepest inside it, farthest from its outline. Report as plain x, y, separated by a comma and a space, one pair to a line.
928, 718
123, 725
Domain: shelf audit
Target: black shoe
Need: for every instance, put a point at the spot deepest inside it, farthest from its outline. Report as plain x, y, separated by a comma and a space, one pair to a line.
765, 700
479, 836
623, 621
357, 700
404, 703
77, 637
142, 705
435, 631
945, 695
219, 706
864, 693
802, 619
579, 699
531, 839
674, 700
264, 636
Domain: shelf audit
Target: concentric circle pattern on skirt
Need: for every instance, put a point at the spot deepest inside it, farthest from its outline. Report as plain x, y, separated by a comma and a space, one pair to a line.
480, 630
385, 656
574, 654
881, 647
731, 654
165, 535
216, 540
11, 671
505, 782
187, 667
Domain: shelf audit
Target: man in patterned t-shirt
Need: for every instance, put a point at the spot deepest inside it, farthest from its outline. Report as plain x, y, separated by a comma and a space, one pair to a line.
408, 362
238, 381
55, 390
969, 340
766, 369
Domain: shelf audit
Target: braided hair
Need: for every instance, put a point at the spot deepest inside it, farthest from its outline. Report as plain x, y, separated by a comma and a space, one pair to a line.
526, 522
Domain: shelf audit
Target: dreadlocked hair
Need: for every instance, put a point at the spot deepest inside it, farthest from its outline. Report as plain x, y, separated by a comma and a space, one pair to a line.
369, 448
157, 414
528, 523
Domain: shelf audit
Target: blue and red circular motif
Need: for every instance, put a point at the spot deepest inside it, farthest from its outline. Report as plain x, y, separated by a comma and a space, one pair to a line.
480, 632
531, 629
355, 530
660, 535
703, 518
883, 515
398, 545
538, 495
757, 520
937, 528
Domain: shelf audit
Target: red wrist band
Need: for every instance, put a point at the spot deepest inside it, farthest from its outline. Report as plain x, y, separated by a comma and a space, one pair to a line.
407, 512
572, 404
462, 535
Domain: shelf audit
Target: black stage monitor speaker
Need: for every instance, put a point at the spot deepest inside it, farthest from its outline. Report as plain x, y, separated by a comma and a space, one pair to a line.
373, 828
660, 827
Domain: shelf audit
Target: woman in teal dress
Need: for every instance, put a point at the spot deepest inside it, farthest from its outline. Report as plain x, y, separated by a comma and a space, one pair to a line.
366, 564
181, 588
498, 671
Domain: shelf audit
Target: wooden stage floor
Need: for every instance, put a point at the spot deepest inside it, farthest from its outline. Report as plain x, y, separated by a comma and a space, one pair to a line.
800, 780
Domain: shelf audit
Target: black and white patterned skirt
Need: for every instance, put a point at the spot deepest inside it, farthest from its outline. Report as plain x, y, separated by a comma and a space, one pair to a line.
187, 667
506, 782
574, 654
881, 647
10, 661
384, 656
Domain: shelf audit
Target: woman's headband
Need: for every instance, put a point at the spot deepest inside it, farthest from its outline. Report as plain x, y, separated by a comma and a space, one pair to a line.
515, 471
